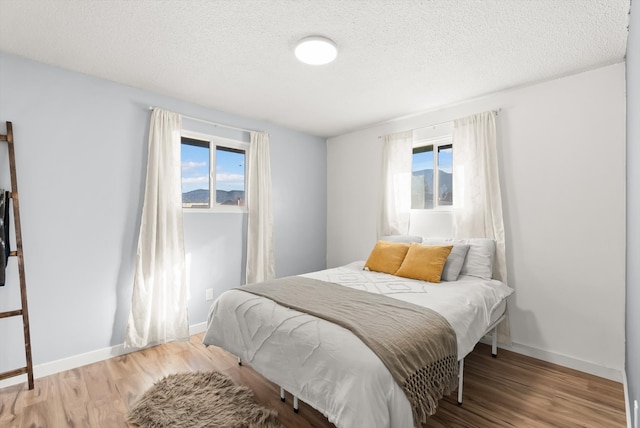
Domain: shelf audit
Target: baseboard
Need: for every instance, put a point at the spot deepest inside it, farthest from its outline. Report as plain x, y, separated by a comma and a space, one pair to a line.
69, 363
627, 399
53, 367
197, 328
566, 361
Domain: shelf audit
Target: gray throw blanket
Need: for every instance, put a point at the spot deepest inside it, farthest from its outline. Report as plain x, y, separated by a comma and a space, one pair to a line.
416, 344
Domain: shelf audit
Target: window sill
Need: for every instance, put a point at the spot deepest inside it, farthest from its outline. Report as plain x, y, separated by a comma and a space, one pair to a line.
226, 210
447, 209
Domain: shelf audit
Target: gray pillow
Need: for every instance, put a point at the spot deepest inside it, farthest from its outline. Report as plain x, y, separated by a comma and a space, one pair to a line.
479, 260
455, 260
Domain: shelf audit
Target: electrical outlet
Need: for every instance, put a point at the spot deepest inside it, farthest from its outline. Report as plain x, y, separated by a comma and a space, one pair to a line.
208, 294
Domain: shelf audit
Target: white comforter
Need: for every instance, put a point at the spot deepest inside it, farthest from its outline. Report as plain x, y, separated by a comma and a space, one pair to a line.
326, 365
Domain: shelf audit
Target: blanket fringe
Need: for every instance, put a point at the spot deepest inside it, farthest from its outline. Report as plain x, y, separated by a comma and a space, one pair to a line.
428, 385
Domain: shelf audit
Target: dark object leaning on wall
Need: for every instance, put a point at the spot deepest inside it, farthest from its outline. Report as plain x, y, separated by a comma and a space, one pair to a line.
4, 233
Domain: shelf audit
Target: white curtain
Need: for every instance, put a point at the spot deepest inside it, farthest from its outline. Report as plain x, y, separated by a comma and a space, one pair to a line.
159, 303
477, 206
395, 210
260, 255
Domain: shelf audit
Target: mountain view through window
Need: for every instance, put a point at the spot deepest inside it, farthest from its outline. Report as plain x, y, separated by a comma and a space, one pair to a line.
432, 172
198, 179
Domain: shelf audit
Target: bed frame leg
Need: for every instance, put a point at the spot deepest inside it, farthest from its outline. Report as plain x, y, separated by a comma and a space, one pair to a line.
239, 361
296, 407
460, 381
494, 343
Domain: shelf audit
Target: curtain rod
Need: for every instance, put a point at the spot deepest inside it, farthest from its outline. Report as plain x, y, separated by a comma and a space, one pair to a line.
211, 123
496, 112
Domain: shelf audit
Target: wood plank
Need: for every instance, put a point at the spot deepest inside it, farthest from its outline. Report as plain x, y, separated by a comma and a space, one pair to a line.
74, 388
50, 412
9, 314
13, 373
511, 391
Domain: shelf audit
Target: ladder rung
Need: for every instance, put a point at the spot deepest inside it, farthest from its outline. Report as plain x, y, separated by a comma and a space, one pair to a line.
3, 137
8, 314
13, 373
13, 253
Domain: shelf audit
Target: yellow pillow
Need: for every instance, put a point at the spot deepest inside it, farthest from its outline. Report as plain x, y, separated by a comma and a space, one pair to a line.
424, 262
387, 256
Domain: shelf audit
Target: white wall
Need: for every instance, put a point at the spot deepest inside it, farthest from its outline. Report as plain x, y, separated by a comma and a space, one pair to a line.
633, 207
81, 147
561, 148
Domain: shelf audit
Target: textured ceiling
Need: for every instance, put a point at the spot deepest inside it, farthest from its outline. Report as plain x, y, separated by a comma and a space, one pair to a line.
395, 57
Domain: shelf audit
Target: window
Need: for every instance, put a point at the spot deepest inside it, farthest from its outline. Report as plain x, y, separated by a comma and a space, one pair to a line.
213, 169
432, 174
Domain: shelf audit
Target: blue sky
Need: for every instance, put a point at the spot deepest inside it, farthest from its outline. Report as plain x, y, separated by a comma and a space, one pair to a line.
195, 169
424, 160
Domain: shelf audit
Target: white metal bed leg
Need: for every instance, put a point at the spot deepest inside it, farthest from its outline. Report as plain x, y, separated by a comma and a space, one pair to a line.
239, 361
460, 381
296, 407
494, 343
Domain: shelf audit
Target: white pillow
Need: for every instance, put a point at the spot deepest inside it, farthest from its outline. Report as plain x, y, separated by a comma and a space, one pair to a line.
407, 239
479, 260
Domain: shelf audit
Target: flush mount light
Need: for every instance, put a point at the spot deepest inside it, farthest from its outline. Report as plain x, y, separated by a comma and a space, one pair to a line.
316, 50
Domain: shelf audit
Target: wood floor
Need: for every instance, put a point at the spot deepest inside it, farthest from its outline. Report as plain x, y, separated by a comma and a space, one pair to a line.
510, 391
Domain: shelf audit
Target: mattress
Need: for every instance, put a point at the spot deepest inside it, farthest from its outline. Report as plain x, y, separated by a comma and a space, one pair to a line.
497, 312
326, 365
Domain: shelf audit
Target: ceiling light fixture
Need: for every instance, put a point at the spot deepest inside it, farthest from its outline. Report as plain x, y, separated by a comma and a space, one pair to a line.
316, 50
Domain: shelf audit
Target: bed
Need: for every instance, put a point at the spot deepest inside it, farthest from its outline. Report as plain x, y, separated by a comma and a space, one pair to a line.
331, 369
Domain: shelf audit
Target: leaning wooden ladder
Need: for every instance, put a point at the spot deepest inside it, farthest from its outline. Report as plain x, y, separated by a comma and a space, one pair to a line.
13, 194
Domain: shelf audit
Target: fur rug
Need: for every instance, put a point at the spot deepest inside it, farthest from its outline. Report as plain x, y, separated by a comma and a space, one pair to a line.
199, 400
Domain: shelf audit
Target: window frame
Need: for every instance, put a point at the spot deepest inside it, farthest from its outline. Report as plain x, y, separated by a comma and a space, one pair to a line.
436, 143
215, 142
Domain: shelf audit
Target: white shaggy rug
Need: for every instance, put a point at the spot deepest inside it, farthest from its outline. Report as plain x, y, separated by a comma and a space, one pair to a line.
199, 400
